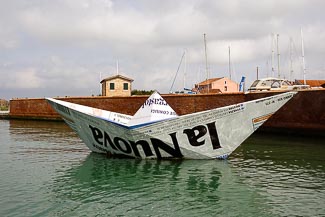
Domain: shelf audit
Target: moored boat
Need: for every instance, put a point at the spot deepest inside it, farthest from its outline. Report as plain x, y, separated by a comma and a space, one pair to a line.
276, 84
156, 131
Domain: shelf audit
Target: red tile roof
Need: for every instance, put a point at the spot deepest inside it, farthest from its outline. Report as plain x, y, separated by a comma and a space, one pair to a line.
117, 76
209, 81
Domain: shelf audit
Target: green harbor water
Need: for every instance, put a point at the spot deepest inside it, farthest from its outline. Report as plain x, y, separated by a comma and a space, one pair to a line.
47, 171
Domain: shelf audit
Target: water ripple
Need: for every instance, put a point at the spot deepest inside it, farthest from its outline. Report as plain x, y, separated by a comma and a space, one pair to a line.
47, 171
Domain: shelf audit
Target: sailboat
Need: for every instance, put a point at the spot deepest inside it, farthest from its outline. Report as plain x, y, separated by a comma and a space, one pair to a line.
155, 131
279, 84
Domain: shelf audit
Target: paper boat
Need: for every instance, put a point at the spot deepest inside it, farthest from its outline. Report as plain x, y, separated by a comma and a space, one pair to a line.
156, 131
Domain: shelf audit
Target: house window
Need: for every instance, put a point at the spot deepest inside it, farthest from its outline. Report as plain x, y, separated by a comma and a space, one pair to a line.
226, 88
125, 86
111, 86
225, 82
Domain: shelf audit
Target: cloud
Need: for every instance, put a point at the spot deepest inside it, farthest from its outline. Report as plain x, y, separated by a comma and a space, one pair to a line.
89, 22
7, 40
68, 43
21, 79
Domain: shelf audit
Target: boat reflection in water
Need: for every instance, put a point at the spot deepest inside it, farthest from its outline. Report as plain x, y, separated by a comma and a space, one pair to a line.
268, 175
172, 188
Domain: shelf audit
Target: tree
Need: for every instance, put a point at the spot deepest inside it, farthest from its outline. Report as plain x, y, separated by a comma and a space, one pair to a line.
142, 92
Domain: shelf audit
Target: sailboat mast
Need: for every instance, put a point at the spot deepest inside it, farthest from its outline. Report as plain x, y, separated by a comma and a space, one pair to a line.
291, 54
179, 65
185, 63
278, 53
206, 59
100, 84
272, 57
229, 63
117, 72
303, 56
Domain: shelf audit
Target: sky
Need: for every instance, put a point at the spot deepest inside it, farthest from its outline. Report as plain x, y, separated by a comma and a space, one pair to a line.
65, 47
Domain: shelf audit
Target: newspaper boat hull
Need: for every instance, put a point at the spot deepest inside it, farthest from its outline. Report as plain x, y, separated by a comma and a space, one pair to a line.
209, 134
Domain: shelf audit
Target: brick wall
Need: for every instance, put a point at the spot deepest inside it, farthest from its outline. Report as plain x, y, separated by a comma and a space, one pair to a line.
305, 111
182, 104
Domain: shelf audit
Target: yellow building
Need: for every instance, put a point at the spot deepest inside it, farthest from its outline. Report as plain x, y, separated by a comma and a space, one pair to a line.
4, 103
216, 85
117, 85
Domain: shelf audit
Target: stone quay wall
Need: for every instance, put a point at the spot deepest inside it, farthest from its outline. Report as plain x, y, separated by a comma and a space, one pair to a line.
306, 111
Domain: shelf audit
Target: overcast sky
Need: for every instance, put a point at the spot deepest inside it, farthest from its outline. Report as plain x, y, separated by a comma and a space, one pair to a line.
63, 47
